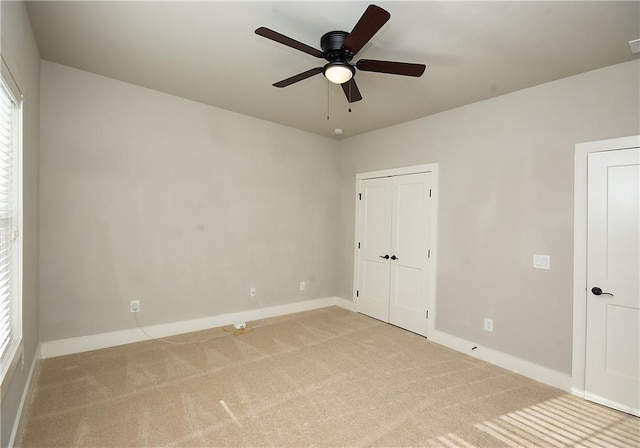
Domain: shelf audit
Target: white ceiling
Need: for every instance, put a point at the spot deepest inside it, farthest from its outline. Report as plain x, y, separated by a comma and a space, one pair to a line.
208, 52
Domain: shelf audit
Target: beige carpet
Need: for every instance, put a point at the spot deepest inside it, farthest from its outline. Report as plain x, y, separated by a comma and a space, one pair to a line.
321, 378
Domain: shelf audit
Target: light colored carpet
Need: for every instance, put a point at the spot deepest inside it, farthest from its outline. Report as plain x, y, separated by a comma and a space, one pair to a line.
328, 377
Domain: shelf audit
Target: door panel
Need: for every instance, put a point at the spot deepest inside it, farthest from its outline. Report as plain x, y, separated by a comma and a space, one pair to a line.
375, 241
620, 320
411, 233
612, 374
622, 211
404, 292
374, 292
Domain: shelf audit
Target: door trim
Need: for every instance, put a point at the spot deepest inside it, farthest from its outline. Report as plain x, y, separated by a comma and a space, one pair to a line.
582, 151
433, 241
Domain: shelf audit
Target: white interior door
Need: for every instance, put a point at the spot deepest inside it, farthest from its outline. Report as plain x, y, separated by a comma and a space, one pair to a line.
612, 368
410, 252
375, 247
394, 254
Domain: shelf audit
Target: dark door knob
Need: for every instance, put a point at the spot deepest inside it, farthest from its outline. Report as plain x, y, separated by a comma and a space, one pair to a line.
393, 257
597, 291
386, 257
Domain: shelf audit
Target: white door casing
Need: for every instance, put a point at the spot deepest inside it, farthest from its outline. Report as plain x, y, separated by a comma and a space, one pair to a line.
401, 288
612, 360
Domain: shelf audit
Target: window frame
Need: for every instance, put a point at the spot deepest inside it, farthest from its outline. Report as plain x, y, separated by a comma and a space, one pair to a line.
15, 351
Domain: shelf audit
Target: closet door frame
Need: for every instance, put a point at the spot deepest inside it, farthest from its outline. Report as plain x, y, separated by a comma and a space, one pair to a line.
433, 238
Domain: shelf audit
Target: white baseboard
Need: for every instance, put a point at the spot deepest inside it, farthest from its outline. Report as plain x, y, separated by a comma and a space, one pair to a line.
69, 346
500, 359
94, 342
578, 392
25, 393
346, 304
526, 368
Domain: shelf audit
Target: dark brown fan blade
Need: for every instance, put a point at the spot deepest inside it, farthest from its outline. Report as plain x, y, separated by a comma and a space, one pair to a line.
351, 91
284, 40
298, 77
393, 68
368, 25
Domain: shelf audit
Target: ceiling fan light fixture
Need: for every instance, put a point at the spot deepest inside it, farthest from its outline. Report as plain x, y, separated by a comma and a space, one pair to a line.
338, 72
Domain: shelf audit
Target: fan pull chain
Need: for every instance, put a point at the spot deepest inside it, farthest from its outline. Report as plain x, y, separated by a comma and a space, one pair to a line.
328, 90
350, 84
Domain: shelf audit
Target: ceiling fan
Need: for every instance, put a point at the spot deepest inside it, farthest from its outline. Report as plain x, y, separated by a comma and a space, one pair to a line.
339, 48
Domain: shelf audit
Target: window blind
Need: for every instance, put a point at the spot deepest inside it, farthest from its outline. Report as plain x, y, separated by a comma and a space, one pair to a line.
8, 228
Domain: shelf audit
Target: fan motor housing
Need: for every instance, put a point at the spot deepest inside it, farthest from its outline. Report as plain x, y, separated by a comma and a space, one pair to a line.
331, 44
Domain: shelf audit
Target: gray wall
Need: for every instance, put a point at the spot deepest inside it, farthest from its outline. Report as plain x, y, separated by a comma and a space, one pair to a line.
21, 54
180, 205
506, 193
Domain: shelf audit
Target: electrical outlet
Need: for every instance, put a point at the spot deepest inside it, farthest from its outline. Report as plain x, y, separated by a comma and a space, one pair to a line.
488, 325
240, 325
302, 286
134, 306
252, 292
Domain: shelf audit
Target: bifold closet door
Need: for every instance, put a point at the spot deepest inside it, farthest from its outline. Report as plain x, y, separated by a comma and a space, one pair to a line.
394, 253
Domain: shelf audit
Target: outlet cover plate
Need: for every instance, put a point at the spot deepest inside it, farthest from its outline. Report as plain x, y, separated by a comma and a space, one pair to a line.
541, 261
134, 306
